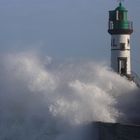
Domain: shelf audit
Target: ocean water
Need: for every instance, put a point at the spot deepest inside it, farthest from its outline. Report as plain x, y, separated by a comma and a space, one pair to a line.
41, 99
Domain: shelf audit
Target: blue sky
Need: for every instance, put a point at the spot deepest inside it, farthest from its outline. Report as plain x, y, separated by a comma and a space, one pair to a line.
64, 28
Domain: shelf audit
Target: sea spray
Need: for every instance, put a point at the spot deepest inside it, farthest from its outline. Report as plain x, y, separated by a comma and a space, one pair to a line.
41, 100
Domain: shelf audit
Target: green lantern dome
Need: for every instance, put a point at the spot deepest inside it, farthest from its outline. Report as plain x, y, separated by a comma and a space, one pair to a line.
120, 8
118, 20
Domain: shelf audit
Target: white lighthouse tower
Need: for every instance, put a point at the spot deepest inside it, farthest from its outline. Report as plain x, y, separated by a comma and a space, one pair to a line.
120, 29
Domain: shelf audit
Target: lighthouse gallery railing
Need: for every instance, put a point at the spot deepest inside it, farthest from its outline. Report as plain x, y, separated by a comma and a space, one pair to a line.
115, 25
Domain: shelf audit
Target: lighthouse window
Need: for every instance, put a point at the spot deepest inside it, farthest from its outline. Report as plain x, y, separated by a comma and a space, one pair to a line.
117, 15
122, 46
120, 15
113, 42
122, 65
128, 41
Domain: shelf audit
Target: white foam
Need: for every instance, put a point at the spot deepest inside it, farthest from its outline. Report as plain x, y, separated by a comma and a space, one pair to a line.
38, 100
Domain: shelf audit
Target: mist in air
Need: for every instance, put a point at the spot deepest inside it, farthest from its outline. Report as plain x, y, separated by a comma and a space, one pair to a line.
42, 99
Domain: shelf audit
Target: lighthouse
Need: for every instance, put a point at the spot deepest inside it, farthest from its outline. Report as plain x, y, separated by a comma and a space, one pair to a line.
120, 29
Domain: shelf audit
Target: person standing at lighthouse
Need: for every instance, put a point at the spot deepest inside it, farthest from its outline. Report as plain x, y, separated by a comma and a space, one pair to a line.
120, 29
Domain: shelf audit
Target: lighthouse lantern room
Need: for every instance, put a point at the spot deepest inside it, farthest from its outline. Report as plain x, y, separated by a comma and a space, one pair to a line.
120, 29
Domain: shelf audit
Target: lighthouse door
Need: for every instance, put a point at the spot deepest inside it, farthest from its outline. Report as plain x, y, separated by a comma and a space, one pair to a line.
122, 66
